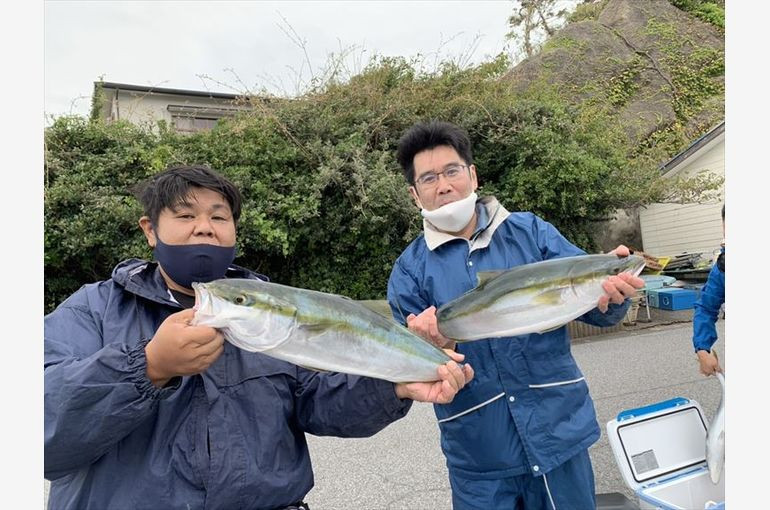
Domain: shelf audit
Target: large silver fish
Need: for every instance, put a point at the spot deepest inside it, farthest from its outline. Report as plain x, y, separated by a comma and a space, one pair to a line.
715, 438
315, 330
531, 298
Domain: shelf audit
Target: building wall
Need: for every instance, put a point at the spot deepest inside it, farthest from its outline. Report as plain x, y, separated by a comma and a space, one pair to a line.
149, 107
672, 229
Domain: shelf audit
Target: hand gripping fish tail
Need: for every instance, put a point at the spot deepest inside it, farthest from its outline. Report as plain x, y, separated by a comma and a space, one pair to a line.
715, 438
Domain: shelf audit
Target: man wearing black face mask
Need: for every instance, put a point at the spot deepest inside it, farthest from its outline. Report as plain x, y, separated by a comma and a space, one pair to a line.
145, 411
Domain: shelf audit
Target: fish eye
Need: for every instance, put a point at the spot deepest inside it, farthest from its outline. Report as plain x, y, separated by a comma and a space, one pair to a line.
240, 300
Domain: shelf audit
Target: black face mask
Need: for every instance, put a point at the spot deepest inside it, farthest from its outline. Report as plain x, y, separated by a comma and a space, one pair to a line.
188, 263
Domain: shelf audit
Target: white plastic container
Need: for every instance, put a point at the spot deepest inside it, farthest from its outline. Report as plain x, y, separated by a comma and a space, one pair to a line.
661, 452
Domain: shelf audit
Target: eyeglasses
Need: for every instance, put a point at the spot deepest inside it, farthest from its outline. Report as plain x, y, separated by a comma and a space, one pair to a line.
430, 179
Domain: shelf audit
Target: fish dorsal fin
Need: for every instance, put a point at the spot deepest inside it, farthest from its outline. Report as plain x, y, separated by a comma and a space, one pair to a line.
484, 277
379, 306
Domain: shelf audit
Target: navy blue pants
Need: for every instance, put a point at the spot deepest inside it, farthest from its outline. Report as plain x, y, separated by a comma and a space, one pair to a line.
568, 487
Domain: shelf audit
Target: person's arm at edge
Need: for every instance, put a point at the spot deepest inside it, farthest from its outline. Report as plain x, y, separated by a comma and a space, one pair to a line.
705, 315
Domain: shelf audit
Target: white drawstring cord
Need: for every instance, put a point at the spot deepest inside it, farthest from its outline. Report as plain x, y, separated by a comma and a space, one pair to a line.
553, 505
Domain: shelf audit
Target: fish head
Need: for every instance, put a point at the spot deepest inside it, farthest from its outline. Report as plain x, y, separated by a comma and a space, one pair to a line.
250, 315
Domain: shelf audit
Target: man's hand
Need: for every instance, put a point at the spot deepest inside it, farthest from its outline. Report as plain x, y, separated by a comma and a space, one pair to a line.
618, 288
452, 380
426, 326
181, 349
709, 363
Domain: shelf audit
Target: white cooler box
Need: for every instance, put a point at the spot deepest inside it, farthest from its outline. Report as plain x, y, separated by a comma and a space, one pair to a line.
661, 452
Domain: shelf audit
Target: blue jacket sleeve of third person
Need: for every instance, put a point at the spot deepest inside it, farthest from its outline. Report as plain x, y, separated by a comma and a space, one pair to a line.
706, 312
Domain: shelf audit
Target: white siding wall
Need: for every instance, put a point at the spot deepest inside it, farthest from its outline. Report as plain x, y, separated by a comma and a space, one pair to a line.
145, 107
672, 229
138, 107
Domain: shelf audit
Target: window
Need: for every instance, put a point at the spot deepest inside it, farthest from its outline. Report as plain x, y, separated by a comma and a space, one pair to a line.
191, 119
188, 124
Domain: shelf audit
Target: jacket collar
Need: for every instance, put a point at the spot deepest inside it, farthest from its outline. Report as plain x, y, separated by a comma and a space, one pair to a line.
496, 214
144, 279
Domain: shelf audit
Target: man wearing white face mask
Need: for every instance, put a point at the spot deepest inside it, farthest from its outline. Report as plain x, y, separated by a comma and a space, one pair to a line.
517, 436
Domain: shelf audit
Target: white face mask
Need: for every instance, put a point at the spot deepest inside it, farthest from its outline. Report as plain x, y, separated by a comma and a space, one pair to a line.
452, 217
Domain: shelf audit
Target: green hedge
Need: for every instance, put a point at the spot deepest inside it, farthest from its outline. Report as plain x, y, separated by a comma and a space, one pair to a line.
326, 206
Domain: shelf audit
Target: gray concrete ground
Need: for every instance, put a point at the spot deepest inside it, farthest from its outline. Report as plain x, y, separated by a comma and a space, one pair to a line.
402, 467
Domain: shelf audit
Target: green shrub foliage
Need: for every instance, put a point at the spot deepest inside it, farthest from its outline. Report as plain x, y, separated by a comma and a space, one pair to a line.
326, 206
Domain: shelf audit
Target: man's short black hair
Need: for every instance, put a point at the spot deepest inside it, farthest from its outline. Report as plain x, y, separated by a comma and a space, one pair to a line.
173, 186
428, 135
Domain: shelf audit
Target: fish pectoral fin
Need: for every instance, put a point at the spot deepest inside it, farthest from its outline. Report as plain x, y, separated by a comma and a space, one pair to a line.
315, 328
321, 326
549, 297
379, 306
483, 277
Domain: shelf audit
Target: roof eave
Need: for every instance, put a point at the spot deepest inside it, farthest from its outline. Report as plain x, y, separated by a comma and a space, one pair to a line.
694, 147
170, 91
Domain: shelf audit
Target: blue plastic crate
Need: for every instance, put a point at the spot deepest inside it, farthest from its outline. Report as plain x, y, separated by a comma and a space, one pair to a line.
672, 299
652, 282
652, 297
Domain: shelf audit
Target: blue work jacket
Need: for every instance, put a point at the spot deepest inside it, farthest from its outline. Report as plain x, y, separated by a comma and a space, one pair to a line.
712, 296
527, 409
231, 437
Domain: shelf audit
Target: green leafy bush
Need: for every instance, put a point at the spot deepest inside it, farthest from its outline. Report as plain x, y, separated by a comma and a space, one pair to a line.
326, 206
709, 11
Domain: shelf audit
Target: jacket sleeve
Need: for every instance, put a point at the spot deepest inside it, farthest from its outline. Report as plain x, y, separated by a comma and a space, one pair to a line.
706, 312
554, 245
404, 296
94, 394
343, 405
612, 316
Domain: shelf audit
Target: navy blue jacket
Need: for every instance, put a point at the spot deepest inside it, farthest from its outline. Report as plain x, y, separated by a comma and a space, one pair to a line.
230, 438
527, 409
712, 296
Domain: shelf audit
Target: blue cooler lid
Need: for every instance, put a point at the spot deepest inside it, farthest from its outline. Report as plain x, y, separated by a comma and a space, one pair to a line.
659, 441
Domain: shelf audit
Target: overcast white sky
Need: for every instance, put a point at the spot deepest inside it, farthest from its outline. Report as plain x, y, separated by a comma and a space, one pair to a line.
177, 44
